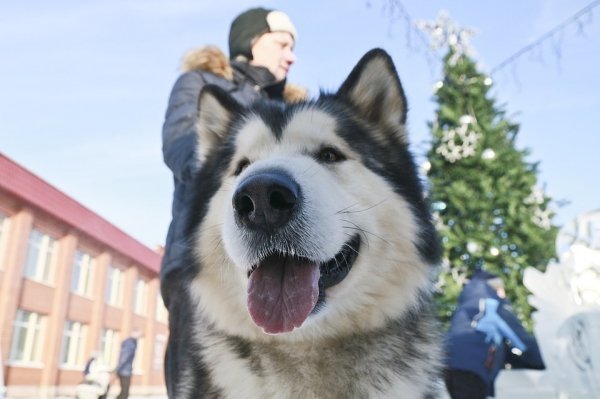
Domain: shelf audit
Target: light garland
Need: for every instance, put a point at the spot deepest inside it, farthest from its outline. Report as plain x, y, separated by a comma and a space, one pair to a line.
542, 218
536, 197
459, 143
444, 33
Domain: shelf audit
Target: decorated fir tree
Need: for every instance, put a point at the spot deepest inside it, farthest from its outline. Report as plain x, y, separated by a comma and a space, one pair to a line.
490, 211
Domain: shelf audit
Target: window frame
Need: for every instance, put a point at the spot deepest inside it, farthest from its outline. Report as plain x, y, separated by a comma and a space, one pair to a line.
42, 269
73, 345
162, 314
160, 346
34, 326
140, 296
113, 295
109, 347
82, 273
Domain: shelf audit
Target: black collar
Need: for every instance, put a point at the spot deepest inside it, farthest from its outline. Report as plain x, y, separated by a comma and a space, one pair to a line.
258, 76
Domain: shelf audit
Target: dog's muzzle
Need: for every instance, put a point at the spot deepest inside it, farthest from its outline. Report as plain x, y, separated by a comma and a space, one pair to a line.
287, 277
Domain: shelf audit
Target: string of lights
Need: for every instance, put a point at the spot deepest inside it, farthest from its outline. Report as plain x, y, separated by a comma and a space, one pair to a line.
552, 33
583, 17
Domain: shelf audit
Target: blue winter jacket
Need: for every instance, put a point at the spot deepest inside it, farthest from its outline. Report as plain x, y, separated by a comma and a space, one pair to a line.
485, 350
126, 356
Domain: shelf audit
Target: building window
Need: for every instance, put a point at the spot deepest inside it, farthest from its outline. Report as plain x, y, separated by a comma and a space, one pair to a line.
82, 274
3, 238
140, 298
41, 254
161, 310
159, 352
109, 347
138, 360
27, 337
73, 344
114, 286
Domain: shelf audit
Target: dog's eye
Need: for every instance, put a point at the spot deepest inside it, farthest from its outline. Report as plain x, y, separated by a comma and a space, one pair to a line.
241, 166
330, 155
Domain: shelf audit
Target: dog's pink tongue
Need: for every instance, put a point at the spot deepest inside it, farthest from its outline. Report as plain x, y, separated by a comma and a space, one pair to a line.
282, 292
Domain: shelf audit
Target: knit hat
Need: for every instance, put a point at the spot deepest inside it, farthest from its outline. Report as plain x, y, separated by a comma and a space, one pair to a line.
251, 24
491, 279
483, 274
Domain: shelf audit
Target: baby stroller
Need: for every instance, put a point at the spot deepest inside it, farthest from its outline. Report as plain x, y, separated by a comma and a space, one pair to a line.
95, 385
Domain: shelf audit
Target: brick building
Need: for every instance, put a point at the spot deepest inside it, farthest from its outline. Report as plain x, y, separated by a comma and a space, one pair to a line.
71, 283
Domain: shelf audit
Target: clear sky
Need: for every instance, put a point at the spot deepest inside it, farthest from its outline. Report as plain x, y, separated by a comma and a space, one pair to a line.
84, 86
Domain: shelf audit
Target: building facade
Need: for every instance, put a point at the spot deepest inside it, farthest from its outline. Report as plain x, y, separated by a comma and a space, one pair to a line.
71, 284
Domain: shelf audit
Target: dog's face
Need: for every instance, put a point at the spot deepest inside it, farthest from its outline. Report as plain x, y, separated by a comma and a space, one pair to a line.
310, 218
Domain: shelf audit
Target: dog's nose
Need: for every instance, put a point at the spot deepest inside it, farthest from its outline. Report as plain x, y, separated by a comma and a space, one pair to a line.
266, 201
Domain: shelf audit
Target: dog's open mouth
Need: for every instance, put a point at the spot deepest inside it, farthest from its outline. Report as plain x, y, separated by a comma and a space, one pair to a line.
283, 290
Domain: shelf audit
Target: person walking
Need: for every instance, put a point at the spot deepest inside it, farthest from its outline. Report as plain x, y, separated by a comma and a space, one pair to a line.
91, 364
124, 369
485, 335
261, 53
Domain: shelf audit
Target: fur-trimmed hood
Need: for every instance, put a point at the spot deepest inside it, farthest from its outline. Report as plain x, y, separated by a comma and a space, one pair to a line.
212, 59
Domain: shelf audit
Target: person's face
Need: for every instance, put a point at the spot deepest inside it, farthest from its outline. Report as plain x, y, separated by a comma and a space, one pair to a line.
501, 292
274, 51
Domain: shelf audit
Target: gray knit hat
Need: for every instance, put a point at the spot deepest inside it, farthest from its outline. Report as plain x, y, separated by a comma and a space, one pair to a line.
251, 24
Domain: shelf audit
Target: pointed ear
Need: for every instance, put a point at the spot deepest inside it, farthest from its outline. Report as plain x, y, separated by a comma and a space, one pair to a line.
373, 87
216, 109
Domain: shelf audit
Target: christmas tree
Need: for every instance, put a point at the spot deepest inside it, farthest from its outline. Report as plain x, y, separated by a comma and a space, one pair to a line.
490, 212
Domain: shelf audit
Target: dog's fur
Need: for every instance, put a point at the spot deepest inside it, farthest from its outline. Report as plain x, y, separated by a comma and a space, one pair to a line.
325, 189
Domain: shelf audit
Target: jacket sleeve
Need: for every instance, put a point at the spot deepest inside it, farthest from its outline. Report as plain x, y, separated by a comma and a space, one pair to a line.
179, 132
531, 358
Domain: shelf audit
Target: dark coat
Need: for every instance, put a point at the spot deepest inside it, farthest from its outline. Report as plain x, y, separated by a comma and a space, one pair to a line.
126, 356
246, 84
471, 350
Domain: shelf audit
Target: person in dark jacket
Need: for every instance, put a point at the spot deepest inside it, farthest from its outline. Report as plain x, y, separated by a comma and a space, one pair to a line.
124, 368
485, 335
261, 43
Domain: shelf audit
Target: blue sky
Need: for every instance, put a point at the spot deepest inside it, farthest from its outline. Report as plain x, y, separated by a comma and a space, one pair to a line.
84, 86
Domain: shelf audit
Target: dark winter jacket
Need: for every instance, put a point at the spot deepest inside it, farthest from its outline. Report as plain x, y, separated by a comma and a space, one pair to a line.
246, 84
126, 356
480, 351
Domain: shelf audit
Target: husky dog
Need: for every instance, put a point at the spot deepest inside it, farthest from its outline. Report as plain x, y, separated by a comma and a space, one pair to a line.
313, 250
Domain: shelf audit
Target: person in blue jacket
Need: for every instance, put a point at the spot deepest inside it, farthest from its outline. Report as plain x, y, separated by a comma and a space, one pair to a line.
484, 336
124, 369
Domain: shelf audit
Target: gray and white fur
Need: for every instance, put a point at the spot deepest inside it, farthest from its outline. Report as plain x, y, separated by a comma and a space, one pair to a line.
313, 250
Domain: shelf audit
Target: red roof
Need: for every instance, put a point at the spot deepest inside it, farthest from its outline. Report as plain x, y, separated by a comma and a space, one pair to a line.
33, 190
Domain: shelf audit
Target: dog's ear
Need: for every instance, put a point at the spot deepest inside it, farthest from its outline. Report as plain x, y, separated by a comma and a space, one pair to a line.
216, 109
373, 87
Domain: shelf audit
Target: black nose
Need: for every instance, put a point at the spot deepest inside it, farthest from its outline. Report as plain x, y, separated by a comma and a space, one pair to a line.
266, 201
